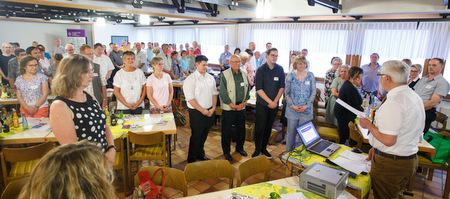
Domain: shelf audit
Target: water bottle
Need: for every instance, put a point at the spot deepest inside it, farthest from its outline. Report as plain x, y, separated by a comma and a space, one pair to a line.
24, 121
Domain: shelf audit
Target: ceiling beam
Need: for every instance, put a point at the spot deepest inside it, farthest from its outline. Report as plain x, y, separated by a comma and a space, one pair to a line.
77, 6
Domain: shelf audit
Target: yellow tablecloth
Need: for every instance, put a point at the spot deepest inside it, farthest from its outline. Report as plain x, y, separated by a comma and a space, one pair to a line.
305, 159
263, 190
12, 131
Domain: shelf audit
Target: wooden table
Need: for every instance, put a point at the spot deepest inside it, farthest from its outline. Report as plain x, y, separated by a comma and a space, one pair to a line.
291, 182
18, 136
424, 146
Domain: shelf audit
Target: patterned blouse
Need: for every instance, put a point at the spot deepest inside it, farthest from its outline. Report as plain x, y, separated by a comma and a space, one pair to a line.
300, 93
31, 90
329, 77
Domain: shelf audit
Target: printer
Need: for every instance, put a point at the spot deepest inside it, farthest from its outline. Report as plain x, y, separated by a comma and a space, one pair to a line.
324, 180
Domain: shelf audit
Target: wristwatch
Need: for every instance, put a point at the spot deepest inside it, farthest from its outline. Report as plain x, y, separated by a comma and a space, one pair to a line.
111, 146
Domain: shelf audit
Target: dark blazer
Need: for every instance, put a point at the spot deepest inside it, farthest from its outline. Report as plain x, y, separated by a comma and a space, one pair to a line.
350, 95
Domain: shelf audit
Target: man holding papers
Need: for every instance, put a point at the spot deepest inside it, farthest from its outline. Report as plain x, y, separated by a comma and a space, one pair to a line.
395, 133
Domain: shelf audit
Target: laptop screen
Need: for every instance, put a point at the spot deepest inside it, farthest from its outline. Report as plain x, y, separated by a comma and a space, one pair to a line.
308, 133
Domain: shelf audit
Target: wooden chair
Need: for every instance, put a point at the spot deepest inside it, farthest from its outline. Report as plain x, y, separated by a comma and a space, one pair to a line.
442, 119
174, 178
426, 163
356, 135
13, 189
254, 166
325, 130
120, 162
17, 163
319, 119
209, 169
147, 147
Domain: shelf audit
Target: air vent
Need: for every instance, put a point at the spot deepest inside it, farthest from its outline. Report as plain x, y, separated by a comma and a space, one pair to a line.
316, 188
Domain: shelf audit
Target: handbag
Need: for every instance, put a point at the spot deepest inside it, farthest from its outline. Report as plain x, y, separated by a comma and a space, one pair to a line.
147, 189
180, 120
442, 146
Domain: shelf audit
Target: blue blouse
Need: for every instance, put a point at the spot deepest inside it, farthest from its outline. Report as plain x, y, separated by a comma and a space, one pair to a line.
300, 93
183, 63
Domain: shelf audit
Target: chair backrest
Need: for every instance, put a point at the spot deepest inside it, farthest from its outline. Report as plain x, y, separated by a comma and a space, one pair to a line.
254, 166
119, 159
145, 139
209, 169
355, 134
442, 118
25, 154
174, 178
13, 189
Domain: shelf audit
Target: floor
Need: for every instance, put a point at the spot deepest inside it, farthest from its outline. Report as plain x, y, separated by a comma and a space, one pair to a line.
422, 187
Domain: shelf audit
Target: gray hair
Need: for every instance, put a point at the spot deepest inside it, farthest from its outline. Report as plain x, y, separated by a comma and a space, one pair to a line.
418, 67
338, 71
67, 46
397, 70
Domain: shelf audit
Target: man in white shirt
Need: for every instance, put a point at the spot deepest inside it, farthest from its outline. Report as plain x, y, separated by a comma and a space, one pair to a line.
167, 61
106, 65
201, 96
141, 57
395, 133
252, 47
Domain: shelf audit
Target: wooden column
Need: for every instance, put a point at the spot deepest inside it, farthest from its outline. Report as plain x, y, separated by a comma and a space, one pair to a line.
353, 60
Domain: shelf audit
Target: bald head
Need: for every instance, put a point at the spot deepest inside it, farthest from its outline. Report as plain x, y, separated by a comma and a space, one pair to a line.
252, 46
234, 62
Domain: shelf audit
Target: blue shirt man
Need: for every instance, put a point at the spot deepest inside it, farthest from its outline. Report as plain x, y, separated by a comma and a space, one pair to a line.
224, 59
370, 80
150, 54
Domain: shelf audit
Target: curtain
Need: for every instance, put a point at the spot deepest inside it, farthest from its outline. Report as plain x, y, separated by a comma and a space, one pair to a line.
433, 40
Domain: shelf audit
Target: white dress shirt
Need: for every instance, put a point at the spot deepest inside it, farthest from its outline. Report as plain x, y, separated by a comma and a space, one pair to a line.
402, 115
201, 88
140, 58
105, 64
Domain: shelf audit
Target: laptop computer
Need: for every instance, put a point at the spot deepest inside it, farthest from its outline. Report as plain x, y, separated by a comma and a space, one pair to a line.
314, 143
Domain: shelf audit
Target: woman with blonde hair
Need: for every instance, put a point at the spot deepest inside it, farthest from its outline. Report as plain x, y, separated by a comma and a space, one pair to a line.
71, 171
414, 73
75, 114
342, 75
159, 88
300, 93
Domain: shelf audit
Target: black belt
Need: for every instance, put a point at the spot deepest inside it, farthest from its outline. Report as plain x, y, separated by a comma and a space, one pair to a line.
387, 155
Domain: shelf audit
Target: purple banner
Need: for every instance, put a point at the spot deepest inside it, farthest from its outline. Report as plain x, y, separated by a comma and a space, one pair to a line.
75, 33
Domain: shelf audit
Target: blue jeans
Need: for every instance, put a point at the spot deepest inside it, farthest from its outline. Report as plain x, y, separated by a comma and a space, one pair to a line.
292, 138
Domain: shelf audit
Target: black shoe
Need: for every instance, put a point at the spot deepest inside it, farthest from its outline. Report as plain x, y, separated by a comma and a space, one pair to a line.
202, 158
256, 153
242, 152
228, 157
267, 154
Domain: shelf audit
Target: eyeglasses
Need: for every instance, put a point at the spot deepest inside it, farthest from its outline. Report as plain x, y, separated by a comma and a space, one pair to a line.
414, 71
380, 74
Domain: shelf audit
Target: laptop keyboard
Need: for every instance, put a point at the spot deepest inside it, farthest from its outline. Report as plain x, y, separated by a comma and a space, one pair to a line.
322, 145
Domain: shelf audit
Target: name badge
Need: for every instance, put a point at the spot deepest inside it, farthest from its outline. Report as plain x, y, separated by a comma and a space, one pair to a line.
428, 86
306, 82
95, 74
275, 79
242, 83
34, 87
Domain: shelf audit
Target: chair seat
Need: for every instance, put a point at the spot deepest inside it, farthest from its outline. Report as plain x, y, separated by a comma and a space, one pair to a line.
425, 162
21, 168
152, 150
321, 105
322, 112
328, 133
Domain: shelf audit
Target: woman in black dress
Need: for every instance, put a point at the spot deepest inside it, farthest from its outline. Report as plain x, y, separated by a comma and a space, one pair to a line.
350, 95
75, 114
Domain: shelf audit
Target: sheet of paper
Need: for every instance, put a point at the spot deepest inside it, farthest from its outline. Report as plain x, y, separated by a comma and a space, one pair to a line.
130, 118
353, 156
167, 118
352, 165
148, 121
350, 108
298, 195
